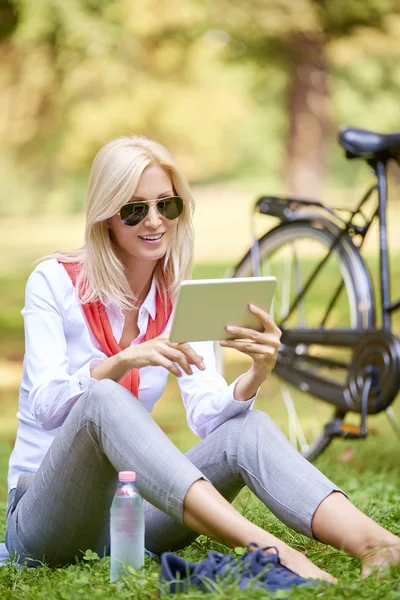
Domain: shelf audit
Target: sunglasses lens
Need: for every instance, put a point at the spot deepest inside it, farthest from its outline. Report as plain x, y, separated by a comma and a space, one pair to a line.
170, 208
134, 212
131, 214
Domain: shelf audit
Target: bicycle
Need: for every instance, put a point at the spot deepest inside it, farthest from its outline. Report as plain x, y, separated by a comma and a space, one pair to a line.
325, 306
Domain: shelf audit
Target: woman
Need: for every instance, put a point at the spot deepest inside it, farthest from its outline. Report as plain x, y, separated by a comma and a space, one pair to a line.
96, 323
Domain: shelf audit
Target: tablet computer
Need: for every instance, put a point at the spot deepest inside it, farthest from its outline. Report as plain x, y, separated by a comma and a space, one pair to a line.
205, 306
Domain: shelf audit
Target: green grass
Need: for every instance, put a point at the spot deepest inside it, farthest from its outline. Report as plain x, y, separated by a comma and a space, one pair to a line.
369, 471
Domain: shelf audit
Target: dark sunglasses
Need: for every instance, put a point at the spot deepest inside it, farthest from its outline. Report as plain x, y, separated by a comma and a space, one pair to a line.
133, 213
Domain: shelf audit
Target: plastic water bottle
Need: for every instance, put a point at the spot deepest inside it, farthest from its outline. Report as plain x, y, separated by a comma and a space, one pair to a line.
126, 527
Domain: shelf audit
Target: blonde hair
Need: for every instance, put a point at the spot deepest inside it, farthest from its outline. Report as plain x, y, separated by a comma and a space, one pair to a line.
114, 177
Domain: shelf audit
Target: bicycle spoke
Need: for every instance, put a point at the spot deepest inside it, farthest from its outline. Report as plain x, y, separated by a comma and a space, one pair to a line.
332, 303
393, 421
320, 265
265, 271
296, 433
299, 287
286, 285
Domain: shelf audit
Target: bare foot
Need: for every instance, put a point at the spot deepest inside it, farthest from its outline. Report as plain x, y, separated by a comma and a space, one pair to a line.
300, 564
378, 559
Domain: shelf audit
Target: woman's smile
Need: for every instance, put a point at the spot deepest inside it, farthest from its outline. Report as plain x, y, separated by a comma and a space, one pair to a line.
152, 239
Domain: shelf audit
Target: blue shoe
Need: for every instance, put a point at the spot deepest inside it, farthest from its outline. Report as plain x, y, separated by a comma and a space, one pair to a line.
253, 568
178, 574
269, 572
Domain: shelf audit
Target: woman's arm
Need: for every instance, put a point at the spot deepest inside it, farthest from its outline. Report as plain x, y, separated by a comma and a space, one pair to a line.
51, 317
248, 385
261, 346
53, 388
209, 401
158, 352
114, 367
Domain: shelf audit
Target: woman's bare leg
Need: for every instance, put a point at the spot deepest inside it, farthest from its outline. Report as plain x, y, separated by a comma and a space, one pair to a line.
339, 523
208, 513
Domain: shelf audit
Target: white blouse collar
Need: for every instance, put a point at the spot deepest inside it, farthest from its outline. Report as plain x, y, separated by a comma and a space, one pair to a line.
149, 303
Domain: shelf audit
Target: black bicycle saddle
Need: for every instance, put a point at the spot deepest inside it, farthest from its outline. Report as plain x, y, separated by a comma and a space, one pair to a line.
360, 143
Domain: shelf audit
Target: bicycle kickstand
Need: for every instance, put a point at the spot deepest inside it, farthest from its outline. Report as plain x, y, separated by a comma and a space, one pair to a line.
336, 427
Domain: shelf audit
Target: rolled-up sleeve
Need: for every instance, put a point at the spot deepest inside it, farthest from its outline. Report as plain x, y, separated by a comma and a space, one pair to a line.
207, 397
53, 390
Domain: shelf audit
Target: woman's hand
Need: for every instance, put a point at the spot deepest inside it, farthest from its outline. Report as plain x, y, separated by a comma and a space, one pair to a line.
160, 352
261, 346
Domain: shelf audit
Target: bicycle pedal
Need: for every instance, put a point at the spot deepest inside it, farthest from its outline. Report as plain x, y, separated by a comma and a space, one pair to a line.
352, 431
346, 430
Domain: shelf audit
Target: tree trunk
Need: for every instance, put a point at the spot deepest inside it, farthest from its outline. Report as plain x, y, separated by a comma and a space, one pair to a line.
309, 118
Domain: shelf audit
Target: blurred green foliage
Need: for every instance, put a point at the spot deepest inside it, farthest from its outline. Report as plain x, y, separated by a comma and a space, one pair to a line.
208, 78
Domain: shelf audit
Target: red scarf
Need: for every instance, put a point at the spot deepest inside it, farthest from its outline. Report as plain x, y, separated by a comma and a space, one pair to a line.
99, 323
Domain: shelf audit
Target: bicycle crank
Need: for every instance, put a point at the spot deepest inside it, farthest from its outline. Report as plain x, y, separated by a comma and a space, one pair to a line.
376, 357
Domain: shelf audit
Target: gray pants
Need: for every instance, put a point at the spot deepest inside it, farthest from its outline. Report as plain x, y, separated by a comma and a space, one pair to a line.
63, 509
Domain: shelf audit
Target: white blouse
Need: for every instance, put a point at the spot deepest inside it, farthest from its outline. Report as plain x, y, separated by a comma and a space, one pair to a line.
60, 351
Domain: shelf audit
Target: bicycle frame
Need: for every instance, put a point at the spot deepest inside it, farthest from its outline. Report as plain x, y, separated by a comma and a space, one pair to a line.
286, 209
386, 305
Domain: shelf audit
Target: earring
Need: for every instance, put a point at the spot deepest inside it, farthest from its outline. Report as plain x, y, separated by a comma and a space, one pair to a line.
108, 225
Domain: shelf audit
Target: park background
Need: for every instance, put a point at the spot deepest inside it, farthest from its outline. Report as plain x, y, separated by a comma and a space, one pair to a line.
248, 96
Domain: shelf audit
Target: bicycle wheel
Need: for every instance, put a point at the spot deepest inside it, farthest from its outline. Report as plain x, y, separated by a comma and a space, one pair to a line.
339, 297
